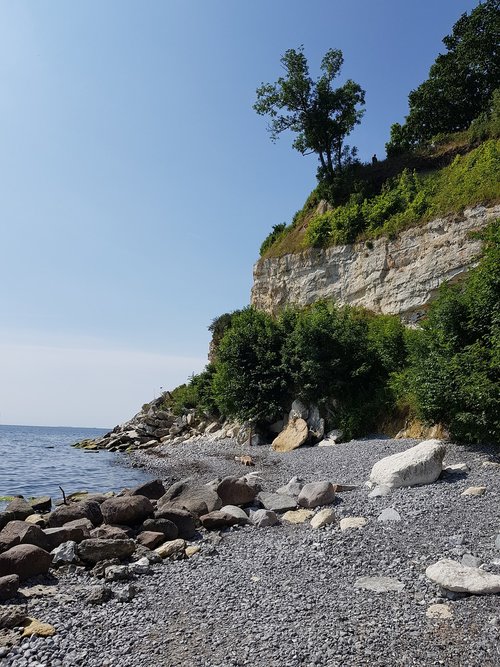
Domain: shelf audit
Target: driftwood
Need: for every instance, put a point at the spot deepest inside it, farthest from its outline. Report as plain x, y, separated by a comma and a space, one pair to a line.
63, 495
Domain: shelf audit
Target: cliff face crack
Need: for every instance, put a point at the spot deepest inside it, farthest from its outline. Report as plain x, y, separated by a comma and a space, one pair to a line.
398, 276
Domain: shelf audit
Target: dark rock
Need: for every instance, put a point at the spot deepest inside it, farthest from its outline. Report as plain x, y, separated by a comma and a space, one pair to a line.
196, 498
85, 509
95, 549
276, 502
98, 595
106, 532
57, 536
8, 586
150, 539
127, 510
183, 519
20, 508
20, 532
236, 491
152, 490
25, 560
216, 520
99, 569
127, 593
12, 616
168, 528
85, 524
5, 517
42, 504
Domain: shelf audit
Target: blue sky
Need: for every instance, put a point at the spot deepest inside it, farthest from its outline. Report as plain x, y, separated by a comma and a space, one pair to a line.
138, 183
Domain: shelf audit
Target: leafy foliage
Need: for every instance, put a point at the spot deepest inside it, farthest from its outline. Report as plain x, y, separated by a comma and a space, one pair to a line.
461, 81
276, 233
454, 371
321, 116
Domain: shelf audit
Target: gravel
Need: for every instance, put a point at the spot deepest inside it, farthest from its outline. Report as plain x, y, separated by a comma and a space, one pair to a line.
285, 596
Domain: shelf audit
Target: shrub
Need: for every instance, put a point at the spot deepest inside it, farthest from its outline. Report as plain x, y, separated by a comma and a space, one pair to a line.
276, 233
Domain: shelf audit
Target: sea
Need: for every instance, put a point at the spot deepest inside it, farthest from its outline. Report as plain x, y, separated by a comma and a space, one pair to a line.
36, 460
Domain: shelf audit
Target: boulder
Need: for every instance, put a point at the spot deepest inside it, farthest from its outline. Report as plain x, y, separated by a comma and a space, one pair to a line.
352, 522
421, 464
388, 515
5, 517
84, 509
65, 554
20, 508
299, 410
42, 504
106, 532
315, 423
36, 520
293, 436
236, 491
168, 528
173, 549
263, 518
57, 536
240, 515
95, 549
85, 524
196, 498
153, 490
25, 560
316, 494
140, 566
9, 585
276, 502
127, 510
297, 516
323, 518
20, 532
183, 520
217, 519
150, 539
458, 578
293, 488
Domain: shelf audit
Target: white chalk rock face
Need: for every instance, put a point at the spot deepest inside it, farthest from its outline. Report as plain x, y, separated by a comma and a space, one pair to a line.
454, 576
421, 464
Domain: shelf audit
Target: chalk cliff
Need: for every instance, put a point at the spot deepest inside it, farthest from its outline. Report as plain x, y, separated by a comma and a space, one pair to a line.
399, 276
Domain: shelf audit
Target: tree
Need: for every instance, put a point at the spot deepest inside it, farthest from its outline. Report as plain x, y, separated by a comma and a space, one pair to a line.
320, 115
461, 81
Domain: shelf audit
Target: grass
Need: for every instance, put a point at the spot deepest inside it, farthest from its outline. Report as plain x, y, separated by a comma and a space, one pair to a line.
406, 191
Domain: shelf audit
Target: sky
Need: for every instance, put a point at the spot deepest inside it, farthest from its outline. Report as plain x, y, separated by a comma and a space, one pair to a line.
137, 182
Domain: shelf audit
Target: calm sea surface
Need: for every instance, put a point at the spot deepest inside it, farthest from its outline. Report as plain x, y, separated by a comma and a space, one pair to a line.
35, 460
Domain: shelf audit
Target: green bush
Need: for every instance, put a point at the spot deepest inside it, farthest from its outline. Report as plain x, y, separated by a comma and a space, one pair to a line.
454, 371
196, 394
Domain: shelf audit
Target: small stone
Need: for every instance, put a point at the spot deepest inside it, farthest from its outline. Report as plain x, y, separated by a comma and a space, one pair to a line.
439, 612
116, 573
474, 491
471, 561
352, 522
388, 515
380, 491
35, 627
140, 566
98, 595
379, 584
126, 594
456, 468
316, 494
263, 518
297, 516
191, 550
323, 518
171, 549
65, 553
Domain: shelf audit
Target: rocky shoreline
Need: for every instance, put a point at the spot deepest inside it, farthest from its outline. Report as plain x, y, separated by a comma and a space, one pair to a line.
251, 566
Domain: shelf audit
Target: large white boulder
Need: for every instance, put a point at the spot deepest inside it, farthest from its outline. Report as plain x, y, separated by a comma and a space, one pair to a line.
421, 464
454, 576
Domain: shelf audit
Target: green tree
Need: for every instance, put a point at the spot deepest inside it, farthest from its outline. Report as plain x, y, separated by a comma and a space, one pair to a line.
461, 81
249, 383
320, 115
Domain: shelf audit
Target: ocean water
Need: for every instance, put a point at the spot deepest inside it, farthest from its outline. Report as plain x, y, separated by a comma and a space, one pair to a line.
36, 460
